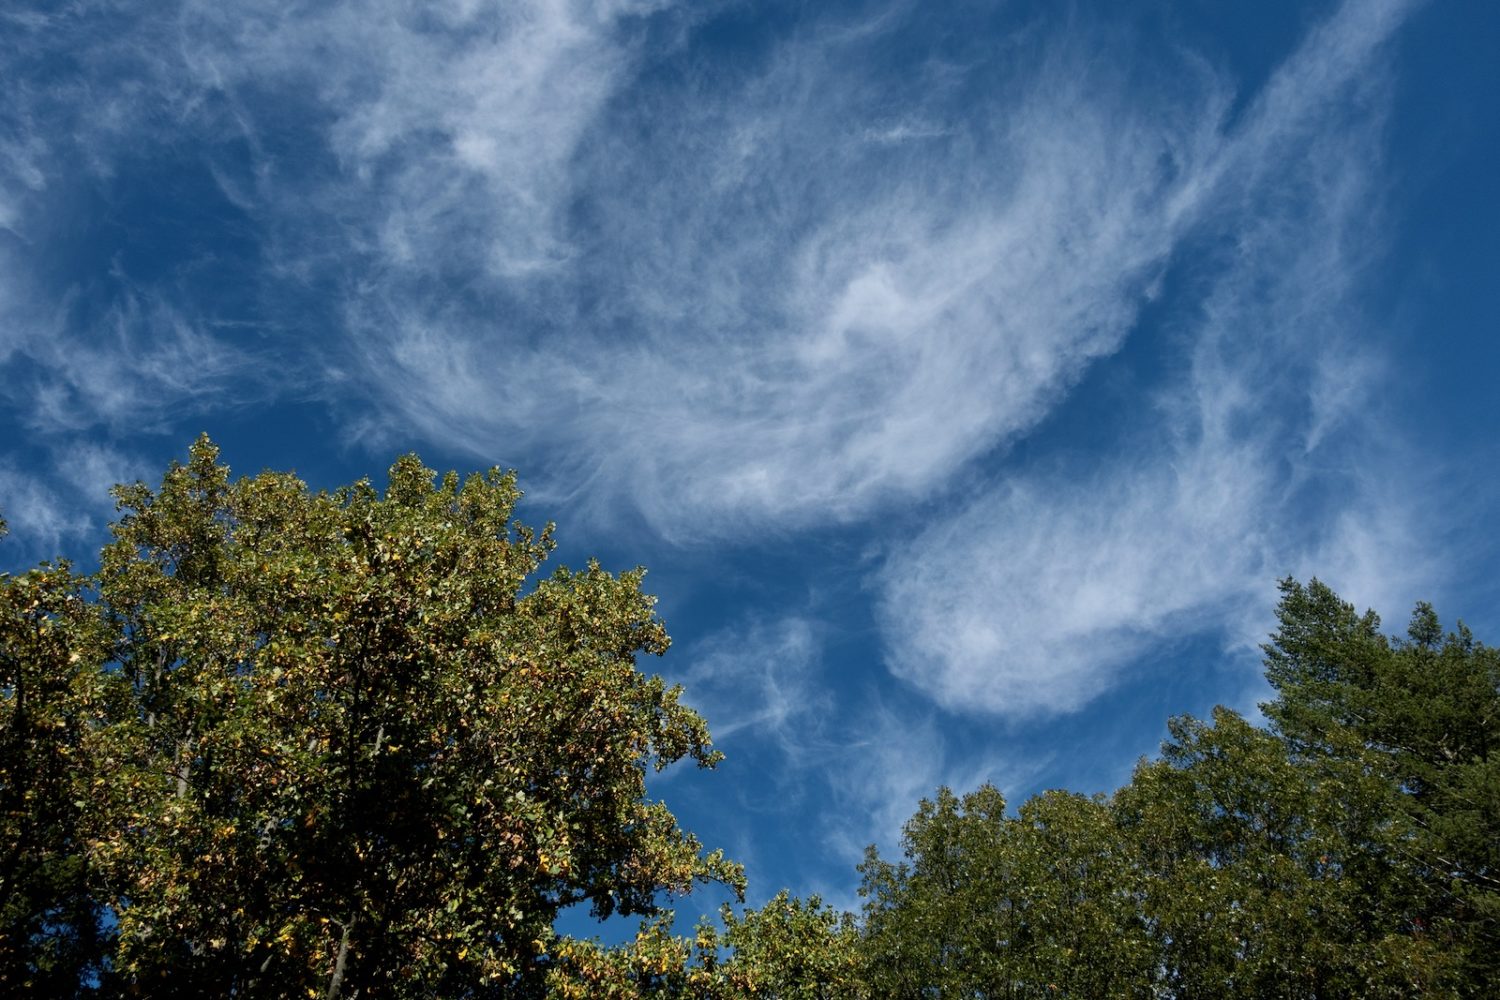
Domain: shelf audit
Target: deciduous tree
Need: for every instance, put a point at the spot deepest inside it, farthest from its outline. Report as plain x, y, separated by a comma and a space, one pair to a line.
51, 643
789, 949
366, 752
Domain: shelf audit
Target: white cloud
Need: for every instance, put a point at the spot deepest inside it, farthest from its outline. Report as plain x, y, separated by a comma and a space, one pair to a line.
19, 176
773, 294
429, 143
38, 518
864, 761
132, 367
794, 326
62, 508
453, 126
898, 754
803, 288
1032, 598
760, 681
91, 468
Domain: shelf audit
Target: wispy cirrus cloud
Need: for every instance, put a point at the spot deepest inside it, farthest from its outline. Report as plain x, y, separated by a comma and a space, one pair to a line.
448, 131
782, 289
775, 317
760, 681
900, 754
366, 143
748, 290
136, 365
34, 515
1258, 461
780, 713
780, 317
50, 509
185, 197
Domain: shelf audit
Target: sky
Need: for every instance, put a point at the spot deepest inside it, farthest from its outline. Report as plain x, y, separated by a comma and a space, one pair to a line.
965, 374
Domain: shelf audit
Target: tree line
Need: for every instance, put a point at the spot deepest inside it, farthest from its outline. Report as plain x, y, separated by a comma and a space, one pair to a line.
355, 744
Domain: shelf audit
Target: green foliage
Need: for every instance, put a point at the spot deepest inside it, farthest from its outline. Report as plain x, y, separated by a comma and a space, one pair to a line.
656, 964
354, 755
1041, 904
1349, 852
1267, 877
351, 744
1421, 714
792, 950
54, 696
787, 950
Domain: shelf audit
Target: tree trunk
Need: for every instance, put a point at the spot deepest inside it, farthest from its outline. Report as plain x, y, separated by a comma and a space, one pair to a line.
341, 965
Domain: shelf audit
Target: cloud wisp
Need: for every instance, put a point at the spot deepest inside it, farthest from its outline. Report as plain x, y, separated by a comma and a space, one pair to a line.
785, 311
1255, 463
759, 681
191, 198
777, 711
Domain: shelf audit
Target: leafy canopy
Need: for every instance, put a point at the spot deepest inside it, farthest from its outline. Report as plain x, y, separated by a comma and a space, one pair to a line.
341, 744
353, 744
1352, 850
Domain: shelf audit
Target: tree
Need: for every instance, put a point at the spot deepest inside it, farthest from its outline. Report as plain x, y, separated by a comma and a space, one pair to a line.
1265, 875
51, 935
1351, 850
1421, 714
792, 949
351, 744
360, 753
1042, 904
787, 950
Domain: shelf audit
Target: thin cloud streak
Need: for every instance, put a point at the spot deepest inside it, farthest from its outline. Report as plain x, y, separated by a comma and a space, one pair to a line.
131, 366
771, 706
759, 681
900, 756
36, 518
452, 128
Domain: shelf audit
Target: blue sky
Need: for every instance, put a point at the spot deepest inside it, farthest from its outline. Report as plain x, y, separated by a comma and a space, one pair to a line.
966, 374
